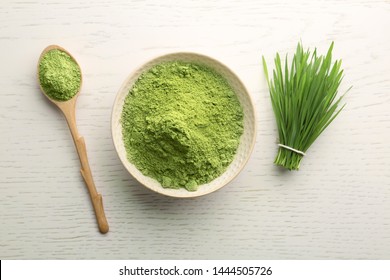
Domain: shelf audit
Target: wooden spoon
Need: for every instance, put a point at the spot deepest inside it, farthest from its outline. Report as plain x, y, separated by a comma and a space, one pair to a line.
68, 109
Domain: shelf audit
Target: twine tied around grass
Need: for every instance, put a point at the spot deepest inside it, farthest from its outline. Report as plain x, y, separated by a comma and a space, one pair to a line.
292, 149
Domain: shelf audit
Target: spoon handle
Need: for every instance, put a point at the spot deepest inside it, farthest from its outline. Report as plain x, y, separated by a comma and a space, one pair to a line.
96, 198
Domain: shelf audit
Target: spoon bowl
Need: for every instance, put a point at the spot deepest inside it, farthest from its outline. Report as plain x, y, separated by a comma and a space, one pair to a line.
58, 103
68, 108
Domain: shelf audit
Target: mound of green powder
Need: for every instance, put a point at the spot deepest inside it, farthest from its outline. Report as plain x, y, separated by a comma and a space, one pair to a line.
181, 124
59, 75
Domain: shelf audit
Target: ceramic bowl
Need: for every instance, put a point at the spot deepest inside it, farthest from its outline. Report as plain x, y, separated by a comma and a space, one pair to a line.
247, 139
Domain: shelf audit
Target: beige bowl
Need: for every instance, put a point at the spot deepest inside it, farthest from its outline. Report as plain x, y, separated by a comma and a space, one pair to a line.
246, 142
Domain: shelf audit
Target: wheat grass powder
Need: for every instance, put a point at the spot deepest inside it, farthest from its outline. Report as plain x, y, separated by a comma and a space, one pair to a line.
59, 75
181, 124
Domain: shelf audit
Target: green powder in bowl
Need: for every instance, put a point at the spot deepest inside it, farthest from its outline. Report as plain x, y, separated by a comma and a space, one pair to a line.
182, 123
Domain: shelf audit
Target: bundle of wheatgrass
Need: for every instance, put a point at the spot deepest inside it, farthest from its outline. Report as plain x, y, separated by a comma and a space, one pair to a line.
304, 101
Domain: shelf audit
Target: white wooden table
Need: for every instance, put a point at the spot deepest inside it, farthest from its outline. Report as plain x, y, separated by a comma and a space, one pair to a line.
336, 206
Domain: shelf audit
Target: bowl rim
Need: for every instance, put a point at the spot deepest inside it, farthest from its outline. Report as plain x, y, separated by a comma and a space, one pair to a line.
162, 190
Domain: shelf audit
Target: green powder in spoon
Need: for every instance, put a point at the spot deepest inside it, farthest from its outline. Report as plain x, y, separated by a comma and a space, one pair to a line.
59, 75
181, 124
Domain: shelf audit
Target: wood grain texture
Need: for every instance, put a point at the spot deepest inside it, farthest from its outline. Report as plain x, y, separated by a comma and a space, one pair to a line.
336, 206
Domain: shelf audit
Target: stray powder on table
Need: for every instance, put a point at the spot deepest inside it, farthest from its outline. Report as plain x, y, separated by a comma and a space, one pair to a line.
181, 124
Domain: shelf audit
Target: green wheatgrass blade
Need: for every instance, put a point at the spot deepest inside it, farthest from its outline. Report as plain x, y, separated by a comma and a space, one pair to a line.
304, 100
